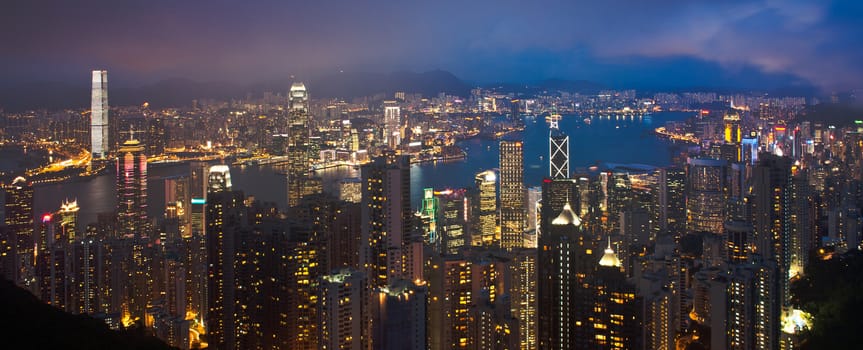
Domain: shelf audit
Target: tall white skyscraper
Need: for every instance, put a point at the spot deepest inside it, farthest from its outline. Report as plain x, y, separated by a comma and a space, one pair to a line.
392, 124
298, 144
558, 153
99, 115
219, 178
299, 97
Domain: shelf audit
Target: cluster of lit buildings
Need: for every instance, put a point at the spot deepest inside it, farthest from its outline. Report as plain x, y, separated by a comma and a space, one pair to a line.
701, 252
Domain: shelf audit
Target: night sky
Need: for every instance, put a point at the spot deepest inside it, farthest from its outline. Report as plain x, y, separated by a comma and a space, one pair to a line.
658, 44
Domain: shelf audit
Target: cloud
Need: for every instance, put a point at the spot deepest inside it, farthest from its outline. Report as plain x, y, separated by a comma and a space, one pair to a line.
479, 40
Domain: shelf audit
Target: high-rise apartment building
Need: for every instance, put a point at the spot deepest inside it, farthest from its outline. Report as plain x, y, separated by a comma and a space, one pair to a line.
460, 287
194, 247
90, 280
523, 296
449, 305
225, 217
738, 306
400, 316
43, 246
772, 211
345, 312
387, 217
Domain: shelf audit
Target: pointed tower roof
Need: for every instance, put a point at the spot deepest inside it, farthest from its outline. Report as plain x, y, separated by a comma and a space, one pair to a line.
567, 217
609, 258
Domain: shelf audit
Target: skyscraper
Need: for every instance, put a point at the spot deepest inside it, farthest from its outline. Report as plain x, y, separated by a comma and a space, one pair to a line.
486, 184
198, 193
67, 218
772, 209
177, 200
131, 190
387, 217
512, 205
219, 179
18, 207
80, 274
707, 186
298, 144
428, 218
195, 247
460, 285
400, 316
739, 241
454, 221
43, 257
732, 134
8, 257
615, 320
523, 296
737, 304
351, 190
558, 153
345, 315
392, 125
89, 260
306, 263
59, 272
99, 142
450, 297
563, 263
672, 201
299, 97
225, 218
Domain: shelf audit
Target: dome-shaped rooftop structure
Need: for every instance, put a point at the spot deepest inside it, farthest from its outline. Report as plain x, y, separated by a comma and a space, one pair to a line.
609, 259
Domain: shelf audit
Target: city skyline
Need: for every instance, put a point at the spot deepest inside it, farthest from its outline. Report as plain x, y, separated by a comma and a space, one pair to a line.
563, 175
329, 260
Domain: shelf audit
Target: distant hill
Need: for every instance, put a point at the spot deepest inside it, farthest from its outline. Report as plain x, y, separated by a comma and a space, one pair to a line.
27, 323
572, 86
357, 84
180, 92
842, 114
